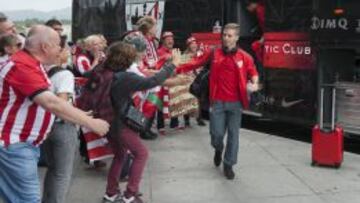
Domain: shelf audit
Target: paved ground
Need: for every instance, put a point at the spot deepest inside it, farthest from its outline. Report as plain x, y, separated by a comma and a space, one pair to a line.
270, 169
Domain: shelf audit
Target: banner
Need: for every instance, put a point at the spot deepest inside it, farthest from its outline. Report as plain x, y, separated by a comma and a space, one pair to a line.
136, 9
289, 50
181, 102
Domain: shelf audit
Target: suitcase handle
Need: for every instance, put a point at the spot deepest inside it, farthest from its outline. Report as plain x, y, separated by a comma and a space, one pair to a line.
333, 111
321, 108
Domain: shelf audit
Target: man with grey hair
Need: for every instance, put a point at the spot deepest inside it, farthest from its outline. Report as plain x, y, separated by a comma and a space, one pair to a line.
228, 85
26, 115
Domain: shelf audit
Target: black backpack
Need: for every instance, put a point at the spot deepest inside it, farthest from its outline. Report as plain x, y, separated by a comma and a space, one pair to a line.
95, 95
200, 88
200, 85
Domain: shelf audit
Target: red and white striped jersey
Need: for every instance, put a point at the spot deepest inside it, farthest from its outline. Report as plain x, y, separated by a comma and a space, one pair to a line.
83, 63
21, 119
151, 57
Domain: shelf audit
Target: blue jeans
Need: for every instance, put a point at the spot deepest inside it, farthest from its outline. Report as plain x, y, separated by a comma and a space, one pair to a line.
226, 116
19, 180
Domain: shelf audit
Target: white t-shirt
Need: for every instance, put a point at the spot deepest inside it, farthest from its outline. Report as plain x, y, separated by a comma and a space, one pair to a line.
63, 82
21, 40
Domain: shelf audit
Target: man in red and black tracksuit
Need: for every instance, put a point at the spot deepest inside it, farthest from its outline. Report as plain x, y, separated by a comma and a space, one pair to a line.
231, 69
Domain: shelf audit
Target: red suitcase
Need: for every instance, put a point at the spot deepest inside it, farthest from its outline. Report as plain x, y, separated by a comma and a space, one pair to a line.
327, 143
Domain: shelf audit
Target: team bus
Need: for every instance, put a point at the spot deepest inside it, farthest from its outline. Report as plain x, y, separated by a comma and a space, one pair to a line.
305, 44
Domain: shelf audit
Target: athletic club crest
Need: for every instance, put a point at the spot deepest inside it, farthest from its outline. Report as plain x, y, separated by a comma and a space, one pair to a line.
240, 64
135, 9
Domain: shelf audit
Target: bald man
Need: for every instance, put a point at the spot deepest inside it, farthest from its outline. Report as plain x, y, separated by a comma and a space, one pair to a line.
27, 114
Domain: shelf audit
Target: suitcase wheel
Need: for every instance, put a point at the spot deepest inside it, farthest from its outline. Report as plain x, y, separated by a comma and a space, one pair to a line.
313, 163
337, 166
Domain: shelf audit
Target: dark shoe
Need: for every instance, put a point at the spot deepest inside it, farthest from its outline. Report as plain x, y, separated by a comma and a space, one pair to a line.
174, 122
99, 164
200, 122
187, 124
217, 158
228, 172
148, 135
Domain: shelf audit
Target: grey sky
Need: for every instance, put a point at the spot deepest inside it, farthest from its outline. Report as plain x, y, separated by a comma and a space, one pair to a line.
42, 5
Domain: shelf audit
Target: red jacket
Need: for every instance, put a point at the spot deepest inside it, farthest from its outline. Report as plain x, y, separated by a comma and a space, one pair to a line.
243, 61
163, 55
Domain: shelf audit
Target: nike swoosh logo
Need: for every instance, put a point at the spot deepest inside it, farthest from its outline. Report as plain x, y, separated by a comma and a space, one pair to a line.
286, 104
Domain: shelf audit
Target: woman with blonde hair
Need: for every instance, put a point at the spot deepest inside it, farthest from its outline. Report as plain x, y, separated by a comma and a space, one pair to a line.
92, 56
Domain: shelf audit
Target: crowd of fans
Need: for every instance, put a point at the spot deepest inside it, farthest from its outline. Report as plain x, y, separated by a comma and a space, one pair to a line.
38, 83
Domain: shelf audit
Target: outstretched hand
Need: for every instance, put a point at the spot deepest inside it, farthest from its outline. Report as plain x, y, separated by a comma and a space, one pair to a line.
176, 57
99, 126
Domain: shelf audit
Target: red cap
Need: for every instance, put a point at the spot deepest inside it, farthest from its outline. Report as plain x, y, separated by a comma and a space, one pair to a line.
167, 34
190, 40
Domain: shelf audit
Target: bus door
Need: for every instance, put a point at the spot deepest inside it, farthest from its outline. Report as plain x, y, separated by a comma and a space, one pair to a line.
289, 63
335, 31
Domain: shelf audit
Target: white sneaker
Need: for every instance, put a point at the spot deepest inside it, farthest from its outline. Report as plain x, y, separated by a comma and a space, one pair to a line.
114, 198
126, 200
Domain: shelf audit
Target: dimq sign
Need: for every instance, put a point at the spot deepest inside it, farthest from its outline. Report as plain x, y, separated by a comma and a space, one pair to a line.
328, 23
